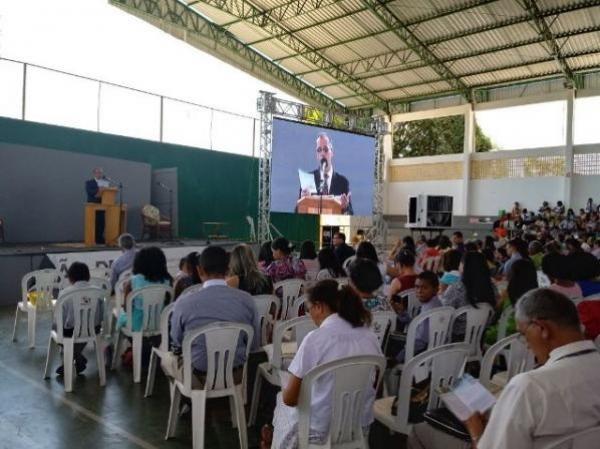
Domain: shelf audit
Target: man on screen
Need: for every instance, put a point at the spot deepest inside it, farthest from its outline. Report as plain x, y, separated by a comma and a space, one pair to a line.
328, 181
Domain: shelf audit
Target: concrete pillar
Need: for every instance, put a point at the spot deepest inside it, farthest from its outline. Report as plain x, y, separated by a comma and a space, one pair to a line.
468, 149
569, 149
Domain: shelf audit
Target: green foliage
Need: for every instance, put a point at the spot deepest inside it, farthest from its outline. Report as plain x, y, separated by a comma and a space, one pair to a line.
432, 137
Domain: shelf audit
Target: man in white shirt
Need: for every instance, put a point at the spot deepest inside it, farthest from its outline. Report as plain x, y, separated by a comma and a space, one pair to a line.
559, 398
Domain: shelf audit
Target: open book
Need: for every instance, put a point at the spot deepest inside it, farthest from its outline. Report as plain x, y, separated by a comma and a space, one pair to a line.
467, 397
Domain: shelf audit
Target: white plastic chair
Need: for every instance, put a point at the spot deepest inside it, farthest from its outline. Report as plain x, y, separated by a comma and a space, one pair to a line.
290, 290
342, 281
153, 299
44, 283
518, 360
476, 320
85, 306
506, 314
101, 283
297, 307
351, 378
444, 364
221, 340
439, 320
115, 306
413, 303
267, 307
381, 325
347, 263
270, 370
159, 353
543, 280
584, 439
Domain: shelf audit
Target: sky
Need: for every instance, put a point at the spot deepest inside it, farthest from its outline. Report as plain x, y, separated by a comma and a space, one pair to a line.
94, 39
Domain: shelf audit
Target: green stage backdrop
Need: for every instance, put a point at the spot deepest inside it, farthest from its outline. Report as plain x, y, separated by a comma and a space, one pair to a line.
213, 186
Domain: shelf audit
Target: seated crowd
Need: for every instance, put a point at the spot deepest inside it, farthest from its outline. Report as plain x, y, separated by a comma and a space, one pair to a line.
214, 286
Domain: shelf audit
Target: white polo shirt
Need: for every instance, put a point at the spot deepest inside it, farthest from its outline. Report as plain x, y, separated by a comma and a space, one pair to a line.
333, 340
559, 398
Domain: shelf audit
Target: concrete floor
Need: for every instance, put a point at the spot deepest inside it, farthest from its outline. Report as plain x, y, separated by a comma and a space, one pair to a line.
37, 413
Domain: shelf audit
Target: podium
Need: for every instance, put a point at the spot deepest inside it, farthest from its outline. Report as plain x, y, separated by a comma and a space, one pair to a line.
115, 218
317, 204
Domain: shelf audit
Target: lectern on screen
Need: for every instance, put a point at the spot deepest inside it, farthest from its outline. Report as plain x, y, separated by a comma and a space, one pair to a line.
319, 170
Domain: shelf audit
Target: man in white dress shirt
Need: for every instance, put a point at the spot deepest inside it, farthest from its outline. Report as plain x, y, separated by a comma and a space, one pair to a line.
559, 398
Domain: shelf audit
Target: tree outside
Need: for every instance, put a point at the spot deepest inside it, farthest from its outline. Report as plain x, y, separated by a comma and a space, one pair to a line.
432, 137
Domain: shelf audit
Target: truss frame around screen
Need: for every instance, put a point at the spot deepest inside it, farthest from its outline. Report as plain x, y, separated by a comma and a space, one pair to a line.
270, 107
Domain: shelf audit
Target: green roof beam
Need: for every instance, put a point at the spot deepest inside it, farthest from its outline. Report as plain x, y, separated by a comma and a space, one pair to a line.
240, 7
389, 19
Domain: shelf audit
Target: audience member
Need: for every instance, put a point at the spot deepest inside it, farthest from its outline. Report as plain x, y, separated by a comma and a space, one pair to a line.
528, 409
341, 249
265, 255
366, 250
244, 273
284, 265
426, 288
79, 276
125, 261
308, 256
516, 249
190, 276
458, 241
536, 253
475, 286
556, 267
342, 332
586, 270
149, 268
405, 265
522, 278
215, 302
329, 265
450, 263
366, 279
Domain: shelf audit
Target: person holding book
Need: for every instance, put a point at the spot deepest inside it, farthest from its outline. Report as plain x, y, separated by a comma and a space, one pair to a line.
559, 398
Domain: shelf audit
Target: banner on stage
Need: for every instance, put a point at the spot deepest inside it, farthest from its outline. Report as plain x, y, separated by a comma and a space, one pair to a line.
104, 259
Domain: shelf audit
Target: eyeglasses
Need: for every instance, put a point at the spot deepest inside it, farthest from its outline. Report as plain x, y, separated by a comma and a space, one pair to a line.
322, 149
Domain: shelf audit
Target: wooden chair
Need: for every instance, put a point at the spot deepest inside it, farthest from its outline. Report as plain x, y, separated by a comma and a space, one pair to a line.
154, 224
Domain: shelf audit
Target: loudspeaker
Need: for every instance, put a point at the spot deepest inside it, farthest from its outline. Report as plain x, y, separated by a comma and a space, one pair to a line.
429, 211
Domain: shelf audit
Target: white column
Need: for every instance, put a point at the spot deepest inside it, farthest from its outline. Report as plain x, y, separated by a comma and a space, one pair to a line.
569, 149
468, 149
388, 156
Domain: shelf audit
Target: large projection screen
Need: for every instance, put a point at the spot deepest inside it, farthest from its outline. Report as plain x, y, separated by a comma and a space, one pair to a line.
337, 168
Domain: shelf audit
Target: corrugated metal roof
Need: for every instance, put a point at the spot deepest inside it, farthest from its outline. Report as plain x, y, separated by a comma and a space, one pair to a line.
372, 52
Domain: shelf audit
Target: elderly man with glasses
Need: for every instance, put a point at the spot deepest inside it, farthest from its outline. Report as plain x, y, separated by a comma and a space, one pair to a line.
328, 181
560, 397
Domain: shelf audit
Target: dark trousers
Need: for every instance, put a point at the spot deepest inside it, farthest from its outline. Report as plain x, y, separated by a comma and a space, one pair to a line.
77, 347
100, 218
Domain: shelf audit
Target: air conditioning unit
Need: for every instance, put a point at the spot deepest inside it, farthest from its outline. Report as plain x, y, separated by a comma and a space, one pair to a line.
429, 211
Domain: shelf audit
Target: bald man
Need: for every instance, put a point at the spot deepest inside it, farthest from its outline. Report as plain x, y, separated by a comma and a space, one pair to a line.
328, 181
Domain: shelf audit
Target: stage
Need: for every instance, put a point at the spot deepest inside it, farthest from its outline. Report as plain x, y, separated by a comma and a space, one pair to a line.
18, 259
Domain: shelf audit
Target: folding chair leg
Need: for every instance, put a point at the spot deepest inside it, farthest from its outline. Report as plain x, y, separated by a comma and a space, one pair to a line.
14, 335
173, 412
255, 397
151, 374
68, 364
198, 421
241, 418
49, 357
137, 357
100, 360
31, 318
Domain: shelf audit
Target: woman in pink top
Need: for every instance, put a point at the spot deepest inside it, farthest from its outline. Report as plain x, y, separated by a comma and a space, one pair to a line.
558, 269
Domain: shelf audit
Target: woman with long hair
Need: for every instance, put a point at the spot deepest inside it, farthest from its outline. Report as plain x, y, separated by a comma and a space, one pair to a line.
244, 273
308, 256
149, 268
342, 332
366, 250
330, 267
407, 275
265, 255
474, 287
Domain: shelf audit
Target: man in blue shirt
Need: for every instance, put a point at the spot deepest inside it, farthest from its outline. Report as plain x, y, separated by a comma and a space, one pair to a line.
215, 302
125, 261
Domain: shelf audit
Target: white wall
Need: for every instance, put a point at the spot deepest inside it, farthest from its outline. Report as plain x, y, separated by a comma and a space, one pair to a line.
488, 196
398, 193
582, 188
